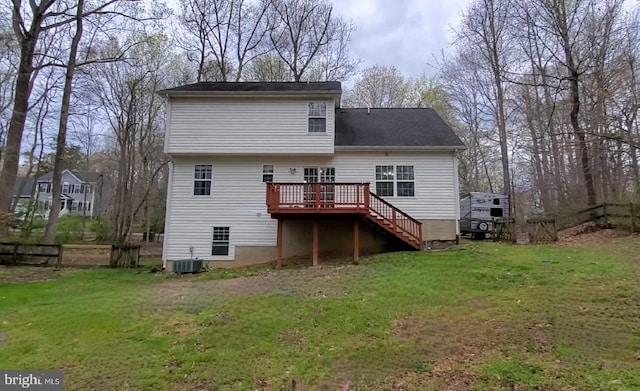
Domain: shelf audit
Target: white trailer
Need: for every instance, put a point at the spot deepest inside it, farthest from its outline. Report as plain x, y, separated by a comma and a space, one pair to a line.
479, 210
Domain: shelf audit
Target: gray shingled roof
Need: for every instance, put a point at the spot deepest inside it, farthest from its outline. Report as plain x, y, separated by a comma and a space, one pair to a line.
393, 128
26, 184
85, 176
259, 87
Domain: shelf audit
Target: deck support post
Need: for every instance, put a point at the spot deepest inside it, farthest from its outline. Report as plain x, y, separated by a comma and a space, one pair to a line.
315, 243
279, 245
356, 240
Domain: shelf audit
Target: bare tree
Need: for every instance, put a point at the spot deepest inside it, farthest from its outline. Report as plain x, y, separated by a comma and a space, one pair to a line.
125, 94
381, 86
484, 30
302, 32
223, 36
36, 25
61, 141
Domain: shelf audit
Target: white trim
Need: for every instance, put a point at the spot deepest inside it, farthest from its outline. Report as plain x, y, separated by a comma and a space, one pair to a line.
165, 147
457, 191
167, 215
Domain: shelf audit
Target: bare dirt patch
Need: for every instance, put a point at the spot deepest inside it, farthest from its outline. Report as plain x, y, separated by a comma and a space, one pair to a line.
98, 255
589, 235
28, 274
452, 346
314, 282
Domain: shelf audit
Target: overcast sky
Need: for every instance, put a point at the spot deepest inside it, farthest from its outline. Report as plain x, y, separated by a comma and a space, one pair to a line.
404, 33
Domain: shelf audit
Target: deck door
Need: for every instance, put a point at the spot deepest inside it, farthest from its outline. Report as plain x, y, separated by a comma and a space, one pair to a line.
324, 175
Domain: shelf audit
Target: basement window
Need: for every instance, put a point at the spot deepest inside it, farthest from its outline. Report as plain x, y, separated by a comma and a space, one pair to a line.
220, 244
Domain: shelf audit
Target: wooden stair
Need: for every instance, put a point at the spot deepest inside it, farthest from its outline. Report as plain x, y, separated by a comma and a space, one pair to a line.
394, 221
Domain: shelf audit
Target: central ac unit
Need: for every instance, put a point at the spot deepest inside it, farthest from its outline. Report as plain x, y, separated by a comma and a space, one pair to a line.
187, 266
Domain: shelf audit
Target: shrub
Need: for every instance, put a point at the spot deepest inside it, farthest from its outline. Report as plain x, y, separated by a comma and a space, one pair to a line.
101, 228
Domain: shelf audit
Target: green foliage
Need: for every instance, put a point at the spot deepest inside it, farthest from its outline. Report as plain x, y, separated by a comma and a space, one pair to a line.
101, 228
74, 159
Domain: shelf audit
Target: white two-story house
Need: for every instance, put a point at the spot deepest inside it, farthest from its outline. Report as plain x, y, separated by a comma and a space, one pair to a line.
267, 171
83, 193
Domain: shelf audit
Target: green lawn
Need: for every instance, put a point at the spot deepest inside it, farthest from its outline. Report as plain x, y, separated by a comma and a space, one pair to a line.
481, 317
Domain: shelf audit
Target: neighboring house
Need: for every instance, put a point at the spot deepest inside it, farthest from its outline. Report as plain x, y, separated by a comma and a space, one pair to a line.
83, 193
262, 171
23, 191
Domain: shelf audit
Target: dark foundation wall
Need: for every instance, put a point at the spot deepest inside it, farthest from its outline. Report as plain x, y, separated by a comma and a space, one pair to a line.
335, 238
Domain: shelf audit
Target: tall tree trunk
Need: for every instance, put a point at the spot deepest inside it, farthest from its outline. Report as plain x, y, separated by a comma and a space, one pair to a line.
61, 141
577, 130
11, 155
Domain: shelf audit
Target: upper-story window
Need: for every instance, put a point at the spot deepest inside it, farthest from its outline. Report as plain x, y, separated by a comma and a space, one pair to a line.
44, 187
65, 188
267, 173
202, 179
317, 117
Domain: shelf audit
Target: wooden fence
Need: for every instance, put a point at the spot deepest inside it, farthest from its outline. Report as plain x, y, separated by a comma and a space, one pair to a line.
120, 255
535, 230
125, 255
610, 215
12, 253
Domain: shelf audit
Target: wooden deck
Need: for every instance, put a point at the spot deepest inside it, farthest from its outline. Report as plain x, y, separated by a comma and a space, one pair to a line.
286, 200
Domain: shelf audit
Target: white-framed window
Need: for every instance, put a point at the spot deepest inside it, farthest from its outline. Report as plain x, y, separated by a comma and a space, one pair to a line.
220, 243
202, 175
65, 188
405, 181
267, 173
74, 205
398, 180
384, 181
317, 117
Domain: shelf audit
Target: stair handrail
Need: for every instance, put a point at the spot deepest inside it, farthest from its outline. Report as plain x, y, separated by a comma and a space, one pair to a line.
415, 235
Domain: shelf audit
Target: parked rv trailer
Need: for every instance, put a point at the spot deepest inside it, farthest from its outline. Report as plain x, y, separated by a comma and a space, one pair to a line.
478, 211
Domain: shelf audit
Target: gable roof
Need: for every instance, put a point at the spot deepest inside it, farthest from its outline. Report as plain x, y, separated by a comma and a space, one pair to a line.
416, 128
248, 88
84, 176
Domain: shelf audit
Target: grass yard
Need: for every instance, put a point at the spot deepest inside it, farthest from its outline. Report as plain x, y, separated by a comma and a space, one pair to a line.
484, 316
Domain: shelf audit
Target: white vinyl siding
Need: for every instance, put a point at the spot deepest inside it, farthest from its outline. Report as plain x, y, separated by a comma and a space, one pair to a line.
238, 201
246, 126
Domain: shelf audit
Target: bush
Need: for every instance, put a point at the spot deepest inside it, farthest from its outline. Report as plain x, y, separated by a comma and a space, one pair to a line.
101, 228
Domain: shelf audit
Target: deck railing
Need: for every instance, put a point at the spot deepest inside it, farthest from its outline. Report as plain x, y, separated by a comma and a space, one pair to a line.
317, 197
334, 198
